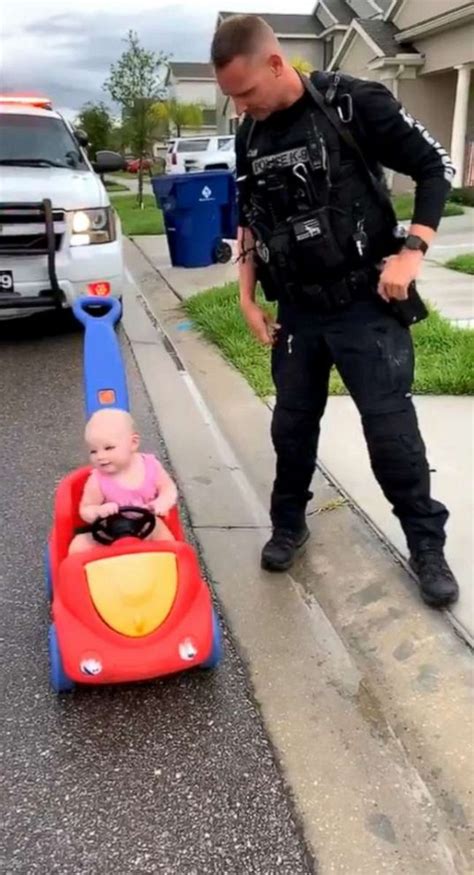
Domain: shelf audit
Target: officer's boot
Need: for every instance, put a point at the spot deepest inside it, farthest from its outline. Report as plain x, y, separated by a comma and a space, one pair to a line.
280, 551
438, 586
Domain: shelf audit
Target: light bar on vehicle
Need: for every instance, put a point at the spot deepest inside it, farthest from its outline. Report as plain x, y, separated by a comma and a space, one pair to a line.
26, 100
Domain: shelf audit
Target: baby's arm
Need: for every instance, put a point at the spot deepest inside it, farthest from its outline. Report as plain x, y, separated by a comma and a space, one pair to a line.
167, 492
92, 506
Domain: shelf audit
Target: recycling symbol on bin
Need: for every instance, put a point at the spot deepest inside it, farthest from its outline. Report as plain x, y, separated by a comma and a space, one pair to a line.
206, 192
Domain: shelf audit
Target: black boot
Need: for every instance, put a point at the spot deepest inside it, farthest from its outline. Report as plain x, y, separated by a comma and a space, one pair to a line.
279, 552
438, 586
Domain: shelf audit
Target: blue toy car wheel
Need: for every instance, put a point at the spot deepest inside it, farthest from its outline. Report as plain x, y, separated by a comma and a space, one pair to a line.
48, 577
57, 676
216, 653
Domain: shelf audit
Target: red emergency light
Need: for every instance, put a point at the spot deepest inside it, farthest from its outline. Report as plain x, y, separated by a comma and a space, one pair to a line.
26, 100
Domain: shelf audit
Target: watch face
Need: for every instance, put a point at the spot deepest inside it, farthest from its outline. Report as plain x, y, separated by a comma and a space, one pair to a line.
416, 243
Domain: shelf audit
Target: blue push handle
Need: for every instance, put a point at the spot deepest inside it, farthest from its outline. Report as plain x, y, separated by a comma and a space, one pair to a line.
112, 307
105, 382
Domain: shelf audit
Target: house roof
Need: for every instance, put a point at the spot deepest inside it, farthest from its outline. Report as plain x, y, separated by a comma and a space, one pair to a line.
384, 5
191, 70
363, 8
306, 25
338, 8
383, 33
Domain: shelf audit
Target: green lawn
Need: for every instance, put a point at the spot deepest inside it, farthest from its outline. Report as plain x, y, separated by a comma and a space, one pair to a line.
444, 353
136, 221
463, 196
463, 263
404, 205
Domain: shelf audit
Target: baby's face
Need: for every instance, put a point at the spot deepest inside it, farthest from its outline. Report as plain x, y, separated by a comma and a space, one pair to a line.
111, 450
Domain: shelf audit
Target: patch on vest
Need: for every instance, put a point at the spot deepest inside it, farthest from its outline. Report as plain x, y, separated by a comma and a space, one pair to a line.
282, 159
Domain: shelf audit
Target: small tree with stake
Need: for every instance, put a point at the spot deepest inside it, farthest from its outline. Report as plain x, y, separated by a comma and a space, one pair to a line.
134, 83
96, 121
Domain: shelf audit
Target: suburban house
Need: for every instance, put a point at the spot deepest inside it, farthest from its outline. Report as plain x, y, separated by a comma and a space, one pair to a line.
423, 50
194, 83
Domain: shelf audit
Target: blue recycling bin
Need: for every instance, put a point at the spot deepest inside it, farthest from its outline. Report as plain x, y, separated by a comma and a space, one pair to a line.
200, 213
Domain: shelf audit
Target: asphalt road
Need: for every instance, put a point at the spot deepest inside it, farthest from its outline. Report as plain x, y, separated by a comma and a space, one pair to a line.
174, 777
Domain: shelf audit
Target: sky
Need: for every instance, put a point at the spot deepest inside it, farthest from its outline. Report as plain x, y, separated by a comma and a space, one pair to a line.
64, 50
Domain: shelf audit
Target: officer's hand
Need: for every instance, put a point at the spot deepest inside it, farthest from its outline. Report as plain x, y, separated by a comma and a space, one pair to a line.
260, 323
397, 274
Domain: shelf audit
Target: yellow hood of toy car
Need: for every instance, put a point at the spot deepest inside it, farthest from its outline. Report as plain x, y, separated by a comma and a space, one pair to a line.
133, 593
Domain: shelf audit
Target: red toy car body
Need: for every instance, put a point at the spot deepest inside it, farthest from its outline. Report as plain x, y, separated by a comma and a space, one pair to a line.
96, 595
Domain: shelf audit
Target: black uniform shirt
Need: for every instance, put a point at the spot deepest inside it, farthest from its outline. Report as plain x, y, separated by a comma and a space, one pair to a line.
386, 133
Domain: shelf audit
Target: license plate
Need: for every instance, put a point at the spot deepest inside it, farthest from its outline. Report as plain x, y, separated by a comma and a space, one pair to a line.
6, 281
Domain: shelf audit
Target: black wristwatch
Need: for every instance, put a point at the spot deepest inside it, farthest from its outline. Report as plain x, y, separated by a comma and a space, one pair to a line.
416, 244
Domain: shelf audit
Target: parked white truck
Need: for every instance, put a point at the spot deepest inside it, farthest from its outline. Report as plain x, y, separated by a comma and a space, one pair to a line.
188, 154
59, 236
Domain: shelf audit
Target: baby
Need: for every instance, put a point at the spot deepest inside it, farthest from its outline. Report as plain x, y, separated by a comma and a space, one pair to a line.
122, 476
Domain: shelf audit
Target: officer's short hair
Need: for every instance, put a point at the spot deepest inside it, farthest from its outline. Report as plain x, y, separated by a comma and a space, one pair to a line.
238, 35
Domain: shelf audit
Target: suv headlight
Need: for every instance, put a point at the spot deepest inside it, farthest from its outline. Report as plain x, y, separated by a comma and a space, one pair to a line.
92, 226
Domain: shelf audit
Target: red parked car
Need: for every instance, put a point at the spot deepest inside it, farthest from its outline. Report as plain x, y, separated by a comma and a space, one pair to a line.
133, 165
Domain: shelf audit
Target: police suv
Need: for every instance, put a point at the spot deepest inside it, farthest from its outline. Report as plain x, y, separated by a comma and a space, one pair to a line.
59, 236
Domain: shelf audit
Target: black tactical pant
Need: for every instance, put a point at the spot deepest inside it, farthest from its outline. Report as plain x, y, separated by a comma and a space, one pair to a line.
374, 355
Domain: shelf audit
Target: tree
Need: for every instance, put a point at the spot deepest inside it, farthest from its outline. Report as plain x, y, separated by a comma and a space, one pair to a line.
181, 115
134, 83
96, 120
302, 65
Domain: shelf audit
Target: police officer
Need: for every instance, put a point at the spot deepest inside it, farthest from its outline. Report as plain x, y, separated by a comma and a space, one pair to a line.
318, 231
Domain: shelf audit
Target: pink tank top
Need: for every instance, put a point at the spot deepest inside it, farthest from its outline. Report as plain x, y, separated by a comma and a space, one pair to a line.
139, 496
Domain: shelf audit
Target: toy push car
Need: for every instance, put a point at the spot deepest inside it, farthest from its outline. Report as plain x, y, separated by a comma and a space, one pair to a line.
128, 609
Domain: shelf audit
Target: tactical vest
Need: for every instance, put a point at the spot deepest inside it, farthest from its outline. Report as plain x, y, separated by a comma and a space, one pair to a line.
322, 221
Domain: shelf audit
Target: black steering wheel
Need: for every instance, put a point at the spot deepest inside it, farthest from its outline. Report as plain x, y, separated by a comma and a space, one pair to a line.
129, 522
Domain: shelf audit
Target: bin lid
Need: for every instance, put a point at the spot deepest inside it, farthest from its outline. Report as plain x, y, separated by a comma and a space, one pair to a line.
190, 190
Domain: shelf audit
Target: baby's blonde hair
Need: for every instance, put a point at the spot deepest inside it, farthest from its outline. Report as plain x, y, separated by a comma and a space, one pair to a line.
110, 417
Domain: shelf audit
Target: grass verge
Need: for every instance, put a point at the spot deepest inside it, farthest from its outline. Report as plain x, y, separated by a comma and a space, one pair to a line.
444, 353
463, 263
463, 196
135, 221
404, 205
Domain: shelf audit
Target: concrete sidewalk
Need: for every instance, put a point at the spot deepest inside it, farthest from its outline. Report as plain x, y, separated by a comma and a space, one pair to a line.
447, 425
450, 291
455, 237
185, 281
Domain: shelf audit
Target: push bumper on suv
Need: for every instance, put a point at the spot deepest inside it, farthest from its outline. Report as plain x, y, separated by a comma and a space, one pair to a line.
45, 270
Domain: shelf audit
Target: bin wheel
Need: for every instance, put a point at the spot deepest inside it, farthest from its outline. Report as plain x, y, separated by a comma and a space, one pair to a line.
222, 252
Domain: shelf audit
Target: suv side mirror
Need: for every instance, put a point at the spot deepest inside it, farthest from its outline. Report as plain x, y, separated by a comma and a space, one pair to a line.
81, 137
108, 162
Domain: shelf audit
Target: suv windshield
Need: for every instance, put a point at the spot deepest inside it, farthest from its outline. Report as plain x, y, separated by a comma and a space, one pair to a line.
30, 140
